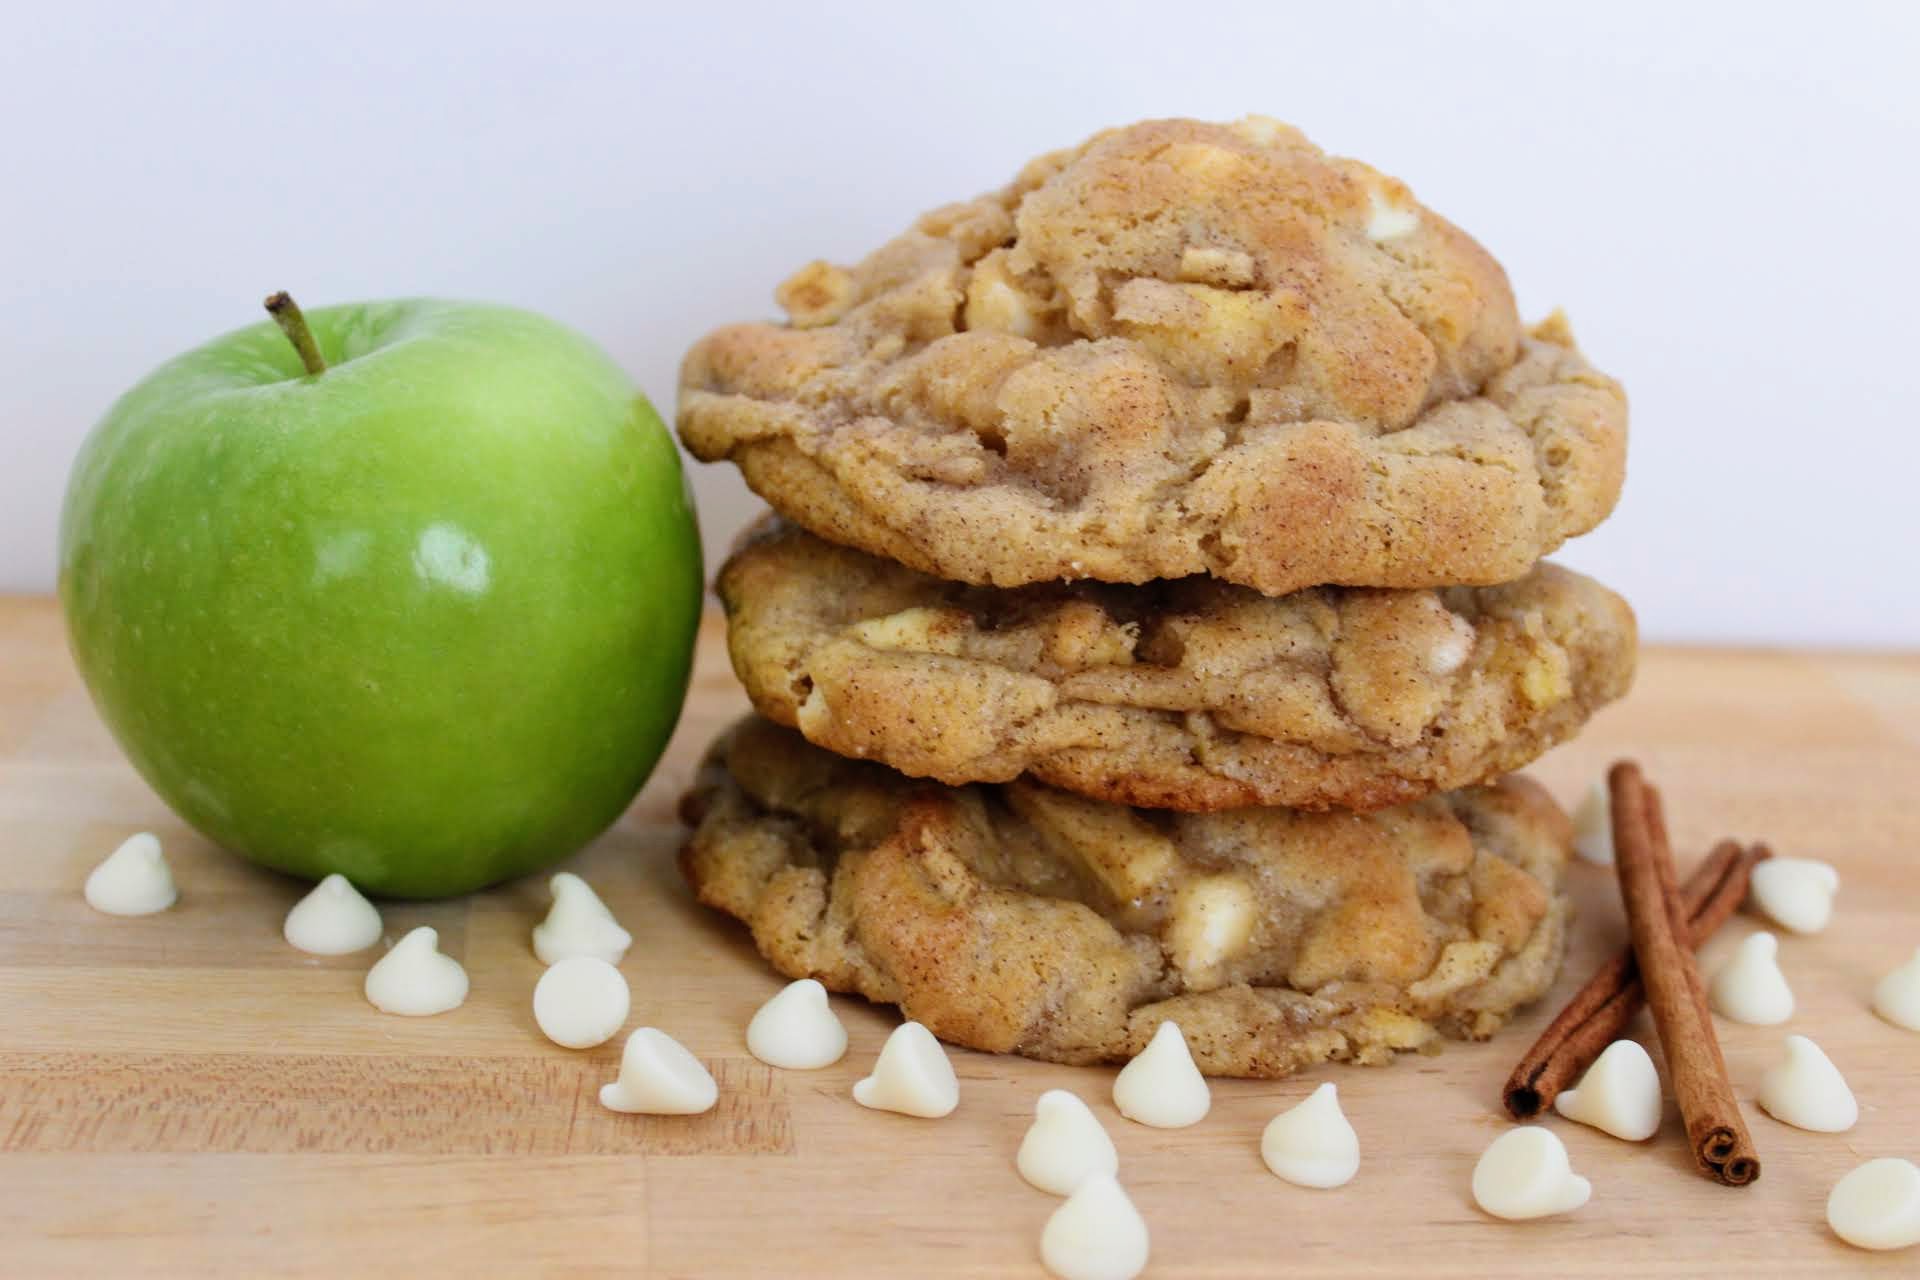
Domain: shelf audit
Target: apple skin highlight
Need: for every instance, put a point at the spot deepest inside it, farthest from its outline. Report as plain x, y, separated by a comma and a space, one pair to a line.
424, 619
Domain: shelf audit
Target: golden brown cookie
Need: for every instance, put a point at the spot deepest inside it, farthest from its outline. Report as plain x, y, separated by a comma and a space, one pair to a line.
1020, 919
1179, 348
1193, 695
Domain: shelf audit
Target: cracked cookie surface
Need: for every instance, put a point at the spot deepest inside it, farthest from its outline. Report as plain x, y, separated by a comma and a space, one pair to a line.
1021, 919
1193, 695
1179, 348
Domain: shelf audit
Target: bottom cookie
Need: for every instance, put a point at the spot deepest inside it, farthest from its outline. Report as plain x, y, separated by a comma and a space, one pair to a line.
1019, 919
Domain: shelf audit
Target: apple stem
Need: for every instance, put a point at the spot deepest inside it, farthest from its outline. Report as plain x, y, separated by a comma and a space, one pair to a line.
286, 313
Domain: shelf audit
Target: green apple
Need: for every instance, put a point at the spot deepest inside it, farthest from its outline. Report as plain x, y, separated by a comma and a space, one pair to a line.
423, 617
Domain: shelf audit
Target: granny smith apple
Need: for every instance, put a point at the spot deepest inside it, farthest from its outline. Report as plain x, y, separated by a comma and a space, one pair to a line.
407, 591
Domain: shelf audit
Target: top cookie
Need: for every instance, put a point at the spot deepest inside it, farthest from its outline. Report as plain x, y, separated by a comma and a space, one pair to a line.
1179, 348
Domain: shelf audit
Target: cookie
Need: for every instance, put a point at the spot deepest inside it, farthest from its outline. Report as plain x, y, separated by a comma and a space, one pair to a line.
1023, 919
1193, 695
1179, 348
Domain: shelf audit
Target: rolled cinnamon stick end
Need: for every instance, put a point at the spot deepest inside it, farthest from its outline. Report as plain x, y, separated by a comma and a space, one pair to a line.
1600, 1012
1695, 1068
1720, 1151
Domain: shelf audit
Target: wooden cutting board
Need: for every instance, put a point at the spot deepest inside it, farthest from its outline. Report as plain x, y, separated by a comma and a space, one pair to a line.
185, 1094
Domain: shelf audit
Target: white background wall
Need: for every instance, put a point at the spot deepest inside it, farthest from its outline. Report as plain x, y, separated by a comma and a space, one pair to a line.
1724, 196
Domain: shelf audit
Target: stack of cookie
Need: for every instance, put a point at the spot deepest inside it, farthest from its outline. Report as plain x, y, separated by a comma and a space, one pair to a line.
1152, 612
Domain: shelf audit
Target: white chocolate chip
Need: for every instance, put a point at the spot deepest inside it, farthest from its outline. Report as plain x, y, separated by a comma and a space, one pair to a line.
995, 301
1451, 651
997, 305
797, 1029
814, 716
1096, 1234
415, 979
1877, 1206
1795, 893
1388, 221
1750, 988
1260, 129
1525, 1174
1619, 1094
1213, 916
1064, 1145
1311, 1144
1593, 826
1807, 1091
658, 1077
1264, 131
1161, 1087
1896, 997
578, 924
134, 880
335, 919
580, 1002
911, 1076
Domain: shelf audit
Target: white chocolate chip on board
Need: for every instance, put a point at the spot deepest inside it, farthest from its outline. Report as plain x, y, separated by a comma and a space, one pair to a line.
658, 1077
415, 979
911, 1076
134, 880
1161, 1087
1064, 1144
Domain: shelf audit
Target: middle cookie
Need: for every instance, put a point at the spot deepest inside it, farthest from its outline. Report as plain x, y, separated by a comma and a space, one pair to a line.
1194, 694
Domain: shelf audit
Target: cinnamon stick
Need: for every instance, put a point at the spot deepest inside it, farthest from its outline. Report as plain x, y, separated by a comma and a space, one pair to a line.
1599, 1013
1695, 1068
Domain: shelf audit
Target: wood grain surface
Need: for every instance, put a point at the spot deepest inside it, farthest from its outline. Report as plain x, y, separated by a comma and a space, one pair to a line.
186, 1095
